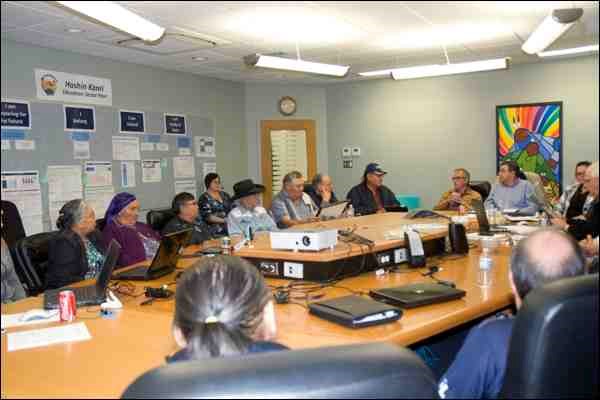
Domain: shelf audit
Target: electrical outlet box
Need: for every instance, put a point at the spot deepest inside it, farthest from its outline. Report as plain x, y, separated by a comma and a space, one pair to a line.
293, 270
385, 258
348, 163
356, 152
346, 152
400, 256
269, 268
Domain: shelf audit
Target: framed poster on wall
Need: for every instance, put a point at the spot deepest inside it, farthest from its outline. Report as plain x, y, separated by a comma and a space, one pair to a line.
532, 135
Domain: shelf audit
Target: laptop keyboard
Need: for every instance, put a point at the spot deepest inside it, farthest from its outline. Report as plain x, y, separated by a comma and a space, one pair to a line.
139, 271
84, 296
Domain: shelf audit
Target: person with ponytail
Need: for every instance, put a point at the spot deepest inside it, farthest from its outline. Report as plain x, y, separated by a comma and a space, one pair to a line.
76, 252
223, 307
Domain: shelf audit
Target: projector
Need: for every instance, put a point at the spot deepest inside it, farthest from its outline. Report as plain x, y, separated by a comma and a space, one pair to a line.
309, 239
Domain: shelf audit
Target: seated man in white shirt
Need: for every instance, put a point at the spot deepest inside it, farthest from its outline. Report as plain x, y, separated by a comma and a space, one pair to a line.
248, 214
292, 206
511, 192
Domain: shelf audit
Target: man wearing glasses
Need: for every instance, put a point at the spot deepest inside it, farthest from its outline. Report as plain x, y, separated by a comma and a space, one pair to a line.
186, 212
575, 201
461, 196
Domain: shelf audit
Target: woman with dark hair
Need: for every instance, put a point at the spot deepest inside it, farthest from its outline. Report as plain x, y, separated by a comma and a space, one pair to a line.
214, 205
223, 307
138, 241
76, 252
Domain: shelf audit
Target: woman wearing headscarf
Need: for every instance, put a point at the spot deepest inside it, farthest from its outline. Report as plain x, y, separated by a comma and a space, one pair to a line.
76, 252
138, 240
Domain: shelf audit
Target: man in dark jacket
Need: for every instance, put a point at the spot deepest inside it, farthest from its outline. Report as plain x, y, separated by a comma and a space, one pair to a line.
371, 196
186, 212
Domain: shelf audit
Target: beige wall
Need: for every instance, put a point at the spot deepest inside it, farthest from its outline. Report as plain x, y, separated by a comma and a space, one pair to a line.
421, 129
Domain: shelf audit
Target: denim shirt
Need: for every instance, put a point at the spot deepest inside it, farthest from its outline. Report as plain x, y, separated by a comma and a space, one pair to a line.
240, 218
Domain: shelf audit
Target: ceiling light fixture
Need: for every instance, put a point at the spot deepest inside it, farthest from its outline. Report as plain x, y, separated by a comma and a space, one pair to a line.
426, 71
551, 28
118, 17
199, 58
298, 65
574, 50
74, 30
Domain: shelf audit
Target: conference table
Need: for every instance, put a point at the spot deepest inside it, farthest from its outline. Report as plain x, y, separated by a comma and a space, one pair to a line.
138, 337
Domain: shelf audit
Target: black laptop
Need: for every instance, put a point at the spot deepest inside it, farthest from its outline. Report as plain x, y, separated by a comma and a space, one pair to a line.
90, 295
418, 294
164, 262
484, 224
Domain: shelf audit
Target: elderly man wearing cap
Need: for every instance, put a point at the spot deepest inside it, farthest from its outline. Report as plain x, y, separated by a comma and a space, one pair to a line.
248, 214
371, 196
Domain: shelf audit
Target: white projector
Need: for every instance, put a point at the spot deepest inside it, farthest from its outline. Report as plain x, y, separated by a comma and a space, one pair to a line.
309, 239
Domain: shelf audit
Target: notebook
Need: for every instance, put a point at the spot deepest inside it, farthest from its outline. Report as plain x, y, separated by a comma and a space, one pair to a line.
418, 294
164, 262
355, 311
89, 295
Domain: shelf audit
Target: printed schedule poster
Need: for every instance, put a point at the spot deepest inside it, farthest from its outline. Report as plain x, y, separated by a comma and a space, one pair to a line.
79, 118
23, 189
98, 173
15, 114
131, 121
175, 124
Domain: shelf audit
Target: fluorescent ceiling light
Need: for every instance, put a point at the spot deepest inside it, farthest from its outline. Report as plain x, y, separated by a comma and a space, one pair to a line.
298, 65
553, 26
424, 71
574, 50
376, 73
116, 16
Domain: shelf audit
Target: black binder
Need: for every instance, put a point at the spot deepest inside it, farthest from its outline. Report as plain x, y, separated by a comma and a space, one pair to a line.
418, 294
355, 311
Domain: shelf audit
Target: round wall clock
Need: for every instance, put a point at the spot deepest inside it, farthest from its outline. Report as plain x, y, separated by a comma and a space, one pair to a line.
287, 105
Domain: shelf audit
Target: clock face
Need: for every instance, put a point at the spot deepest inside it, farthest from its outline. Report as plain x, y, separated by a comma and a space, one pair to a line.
287, 105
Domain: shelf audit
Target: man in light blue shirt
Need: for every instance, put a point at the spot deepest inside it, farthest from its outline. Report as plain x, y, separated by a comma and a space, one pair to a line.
248, 213
511, 192
292, 206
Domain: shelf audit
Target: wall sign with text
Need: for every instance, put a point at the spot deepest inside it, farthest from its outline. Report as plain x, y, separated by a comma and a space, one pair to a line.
175, 124
79, 118
15, 114
131, 121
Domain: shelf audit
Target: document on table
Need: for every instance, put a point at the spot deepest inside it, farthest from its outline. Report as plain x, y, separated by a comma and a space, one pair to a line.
64, 184
13, 320
47, 336
183, 167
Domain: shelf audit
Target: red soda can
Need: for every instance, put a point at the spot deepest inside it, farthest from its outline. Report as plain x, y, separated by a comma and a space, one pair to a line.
67, 305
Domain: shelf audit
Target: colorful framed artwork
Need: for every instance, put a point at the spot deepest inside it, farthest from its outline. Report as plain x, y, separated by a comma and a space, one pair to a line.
531, 135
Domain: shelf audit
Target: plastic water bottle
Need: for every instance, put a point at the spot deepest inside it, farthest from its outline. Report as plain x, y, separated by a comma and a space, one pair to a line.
350, 212
486, 264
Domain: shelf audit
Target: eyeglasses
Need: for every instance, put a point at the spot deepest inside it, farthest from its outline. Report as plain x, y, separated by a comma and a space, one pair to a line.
456, 178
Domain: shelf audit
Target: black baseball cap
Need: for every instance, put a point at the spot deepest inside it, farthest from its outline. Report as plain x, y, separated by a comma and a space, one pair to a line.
374, 168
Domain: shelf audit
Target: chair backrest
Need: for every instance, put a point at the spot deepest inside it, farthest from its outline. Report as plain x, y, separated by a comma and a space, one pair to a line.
157, 219
31, 261
12, 225
553, 351
376, 370
100, 224
482, 187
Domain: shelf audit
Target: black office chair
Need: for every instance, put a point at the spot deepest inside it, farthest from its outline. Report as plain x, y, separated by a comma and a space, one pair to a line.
553, 350
31, 261
100, 224
157, 219
482, 187
376, 370
12, 225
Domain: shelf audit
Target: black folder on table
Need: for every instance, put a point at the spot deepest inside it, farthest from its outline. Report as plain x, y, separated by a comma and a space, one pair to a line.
355, 311
418, 294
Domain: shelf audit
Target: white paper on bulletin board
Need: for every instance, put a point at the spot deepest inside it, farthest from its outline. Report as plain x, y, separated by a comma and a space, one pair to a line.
99, 198
183, 167
64, 184
98, 173
23, 189
126, 148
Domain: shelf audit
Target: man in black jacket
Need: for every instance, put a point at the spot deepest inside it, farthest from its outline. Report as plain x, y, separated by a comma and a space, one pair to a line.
186, 212
371, 196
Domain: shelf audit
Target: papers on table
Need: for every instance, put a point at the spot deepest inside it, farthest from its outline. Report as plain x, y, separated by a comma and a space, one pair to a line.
23, 189
398, 234
522, 218
47, 336
64, 184
14, 320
